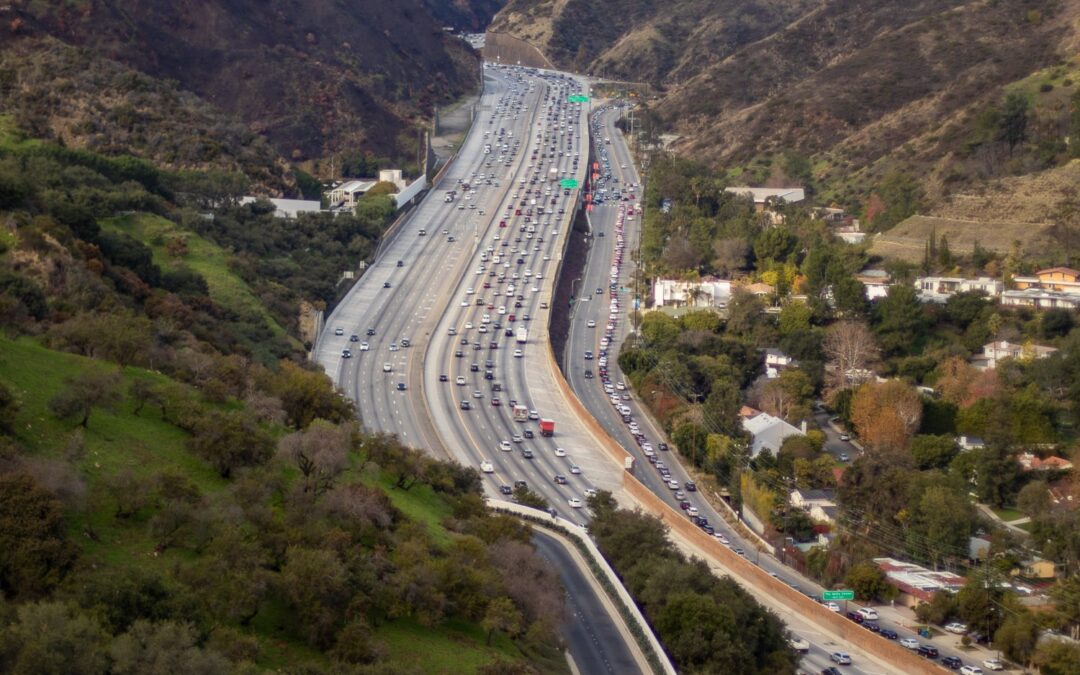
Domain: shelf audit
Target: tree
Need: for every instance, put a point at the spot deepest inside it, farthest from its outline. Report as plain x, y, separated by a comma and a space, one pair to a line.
52, 637
899, 320
35, 553
84, 392
1056, 657
869, 582
307, 395
933, 452
9, 407
1066, 595
788, 396
730, 255
886, 414
163, 649
850, 296
503, 616
1034, 500
795, 317
774, 244
851, 351
1018, 636
940, 609
315, 582
941, 520
901, 195
1056, 323
1014, 120
230, 440
320, 452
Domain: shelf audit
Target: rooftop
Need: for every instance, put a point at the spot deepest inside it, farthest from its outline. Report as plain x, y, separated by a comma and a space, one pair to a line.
759, 195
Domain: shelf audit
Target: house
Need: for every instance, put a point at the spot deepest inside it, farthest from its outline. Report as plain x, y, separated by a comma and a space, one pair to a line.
347, 194
818, 504
915, 583
970, 442
759, 289
1032, 462
1037, 298
764, 197
709, 292
978, 548
876, 283
768, 432
1036, 568
776, 361
1003, 349
940, 289
1060, 279
287, 208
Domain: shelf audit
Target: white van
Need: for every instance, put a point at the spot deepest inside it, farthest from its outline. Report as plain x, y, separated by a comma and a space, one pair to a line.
868, 613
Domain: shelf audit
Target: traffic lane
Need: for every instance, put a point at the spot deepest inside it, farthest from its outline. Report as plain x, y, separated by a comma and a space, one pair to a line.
594, 640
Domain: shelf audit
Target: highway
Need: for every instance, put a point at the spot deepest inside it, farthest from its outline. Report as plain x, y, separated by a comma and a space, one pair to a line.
588, 623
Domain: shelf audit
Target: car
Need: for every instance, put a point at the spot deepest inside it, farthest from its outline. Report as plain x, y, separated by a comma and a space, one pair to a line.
495, 402
799, 644
844, 457
856, 617
690, 486
845, 437
527, 453
840, 658
364, 346
560, 479
888, 634
386, 284
575, 469
927, 651
401, 263
909, 643
477, 394
970, 670
386, 367
528, 433
444, 378
401, 386
465, 405
559, 452
830, 671
574, 502
833, 607
993, 664
339, 331
868, 613
487, 467
506, 490
954, 662
346, 354
956, 627
354, 338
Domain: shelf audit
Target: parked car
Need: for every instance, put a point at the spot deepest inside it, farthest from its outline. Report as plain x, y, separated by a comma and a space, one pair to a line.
971, 670
888, 634
927, 651
993, 664
952, 662
956, 627
840, 658
909, 643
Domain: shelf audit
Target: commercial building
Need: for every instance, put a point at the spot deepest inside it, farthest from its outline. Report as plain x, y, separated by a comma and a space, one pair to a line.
708, 292
915, 583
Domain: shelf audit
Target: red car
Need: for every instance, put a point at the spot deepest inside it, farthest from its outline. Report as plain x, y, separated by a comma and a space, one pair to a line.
495, 402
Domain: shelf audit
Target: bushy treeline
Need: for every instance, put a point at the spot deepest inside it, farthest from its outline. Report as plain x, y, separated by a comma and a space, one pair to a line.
708, 624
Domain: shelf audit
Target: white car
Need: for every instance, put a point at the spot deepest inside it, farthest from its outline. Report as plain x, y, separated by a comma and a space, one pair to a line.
559, 452
575, 469
833, 607
971, 670
993, 664
518, 353
956, 627
575, 503
364, 346
909, 643
460, 380
505, 446
799, 644
486, 467
590, 324
386, 367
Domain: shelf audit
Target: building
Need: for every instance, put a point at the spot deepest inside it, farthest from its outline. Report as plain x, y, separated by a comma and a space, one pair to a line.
287, 208
393, 176
1032, 462
818, 504
709, 292
764, 197
1036, 568
347, 194
768, 432
917, 584
1003, 349
1060, 279
876, 282
970, 442
777, 361
940, 289
759, 289
1037, 298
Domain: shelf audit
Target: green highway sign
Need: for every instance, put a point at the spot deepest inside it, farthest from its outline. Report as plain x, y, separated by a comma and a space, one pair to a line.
568, 184
577, 98
838, 595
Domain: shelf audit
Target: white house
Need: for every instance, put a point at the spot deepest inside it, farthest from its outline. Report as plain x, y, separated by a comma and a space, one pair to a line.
876, 283
775, 362
763, 196
940, 289
1003, 349
818, 504
768, 432
288, 208
346, 194
713, 292
1038, 298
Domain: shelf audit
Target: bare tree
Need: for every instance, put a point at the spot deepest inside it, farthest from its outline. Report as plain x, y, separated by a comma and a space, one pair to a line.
852, 352
320, 452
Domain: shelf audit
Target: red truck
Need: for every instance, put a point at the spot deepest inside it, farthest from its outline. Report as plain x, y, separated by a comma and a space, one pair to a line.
547, 427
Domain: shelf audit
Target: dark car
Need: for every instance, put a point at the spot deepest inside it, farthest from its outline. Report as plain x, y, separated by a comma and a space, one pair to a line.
952, 662
443, 378
401, 386
520, 484
474, 368
690, 487
871, 626
855, 616
830, 671
662, 446
506, 490
354, 338
386, 284
528, 433
370, 331
888, 634
928, 652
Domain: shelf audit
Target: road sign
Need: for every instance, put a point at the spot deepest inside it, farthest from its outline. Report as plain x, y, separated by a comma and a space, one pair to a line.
568, 184
577, 98
838, 595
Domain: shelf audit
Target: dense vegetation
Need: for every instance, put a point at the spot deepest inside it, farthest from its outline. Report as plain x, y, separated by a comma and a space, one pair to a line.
708, 624
177, 491
911, 492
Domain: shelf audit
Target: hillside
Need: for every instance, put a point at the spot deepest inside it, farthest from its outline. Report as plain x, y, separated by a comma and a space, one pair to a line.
464, 15
852, 89
313, 78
